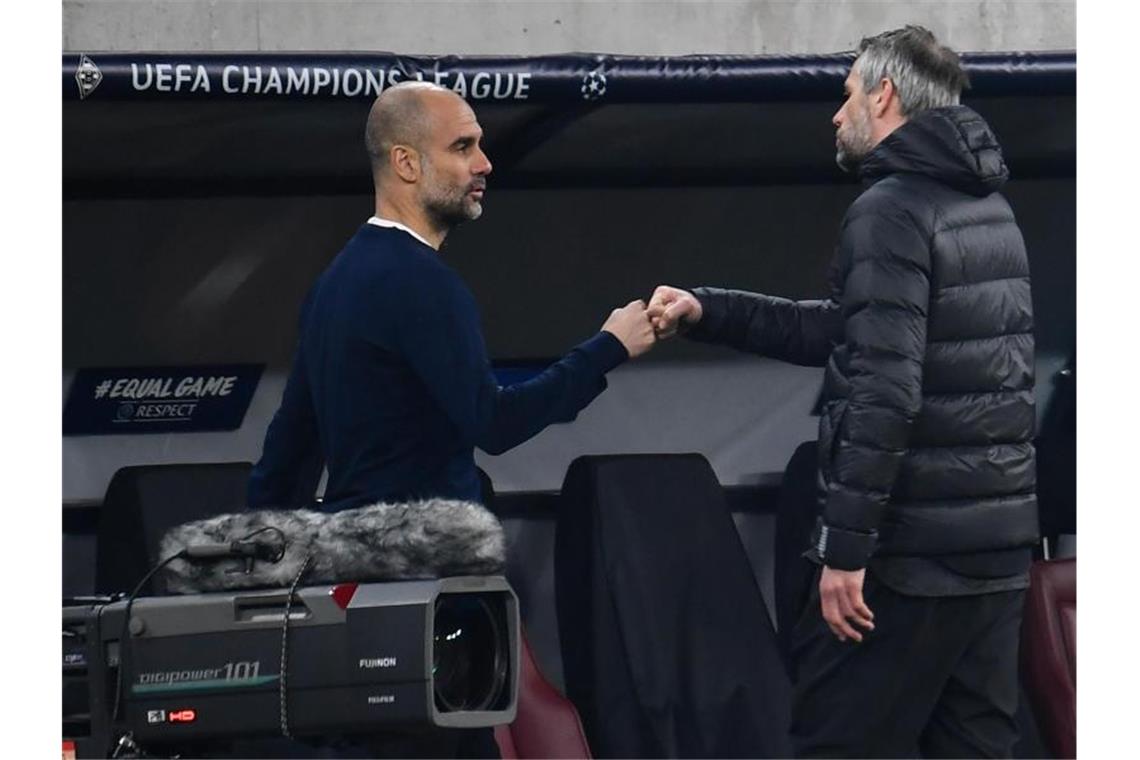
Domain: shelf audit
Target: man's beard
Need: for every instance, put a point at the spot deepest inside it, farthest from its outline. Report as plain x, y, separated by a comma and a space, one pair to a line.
448, 210
851, 148
450, 206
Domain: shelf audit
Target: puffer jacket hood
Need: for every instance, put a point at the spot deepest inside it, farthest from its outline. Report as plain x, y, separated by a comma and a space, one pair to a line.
953, 145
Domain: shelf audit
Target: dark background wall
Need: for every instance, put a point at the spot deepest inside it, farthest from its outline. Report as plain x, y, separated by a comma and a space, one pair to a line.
221, 279
201, 280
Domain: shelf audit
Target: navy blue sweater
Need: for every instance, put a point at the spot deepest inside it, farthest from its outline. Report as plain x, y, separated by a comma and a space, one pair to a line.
392, 389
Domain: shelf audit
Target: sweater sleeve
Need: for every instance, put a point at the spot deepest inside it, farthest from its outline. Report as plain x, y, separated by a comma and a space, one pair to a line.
440, 336
800, 332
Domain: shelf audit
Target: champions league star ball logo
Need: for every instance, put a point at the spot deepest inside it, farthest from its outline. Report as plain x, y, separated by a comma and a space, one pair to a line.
87, 76
594, 85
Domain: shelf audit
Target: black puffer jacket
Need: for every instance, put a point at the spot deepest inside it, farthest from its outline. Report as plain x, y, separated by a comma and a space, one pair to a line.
925, 437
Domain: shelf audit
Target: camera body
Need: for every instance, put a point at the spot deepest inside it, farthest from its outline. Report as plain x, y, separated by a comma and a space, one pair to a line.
349, 657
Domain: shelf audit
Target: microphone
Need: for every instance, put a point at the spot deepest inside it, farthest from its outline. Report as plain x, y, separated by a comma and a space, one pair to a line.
433, 538
234, 550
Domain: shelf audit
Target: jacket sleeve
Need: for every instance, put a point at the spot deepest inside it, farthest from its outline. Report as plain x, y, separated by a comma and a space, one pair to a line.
440, 337
291, 461
800, 332
885, 300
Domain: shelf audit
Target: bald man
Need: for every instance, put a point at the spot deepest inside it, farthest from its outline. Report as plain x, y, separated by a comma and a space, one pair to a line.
391, 386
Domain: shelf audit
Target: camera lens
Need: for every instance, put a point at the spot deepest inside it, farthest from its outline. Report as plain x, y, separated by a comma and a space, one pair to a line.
469, 657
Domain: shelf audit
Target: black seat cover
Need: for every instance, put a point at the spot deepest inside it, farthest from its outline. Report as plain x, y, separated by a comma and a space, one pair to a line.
667, 647
143, 502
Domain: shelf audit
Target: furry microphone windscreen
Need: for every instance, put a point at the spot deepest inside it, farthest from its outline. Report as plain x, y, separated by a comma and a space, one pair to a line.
433, 538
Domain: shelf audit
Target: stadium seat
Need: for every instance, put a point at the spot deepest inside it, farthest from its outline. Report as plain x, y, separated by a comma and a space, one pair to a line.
143, 502
1049, 653
547, 724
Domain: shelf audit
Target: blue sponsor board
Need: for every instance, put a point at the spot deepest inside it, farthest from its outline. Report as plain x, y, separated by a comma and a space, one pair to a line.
133, 400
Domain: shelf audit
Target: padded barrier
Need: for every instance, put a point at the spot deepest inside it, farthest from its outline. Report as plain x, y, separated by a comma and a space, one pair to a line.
667, 647
551, 79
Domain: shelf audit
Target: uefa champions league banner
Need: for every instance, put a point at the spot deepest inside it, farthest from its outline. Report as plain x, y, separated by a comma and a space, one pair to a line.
561, 79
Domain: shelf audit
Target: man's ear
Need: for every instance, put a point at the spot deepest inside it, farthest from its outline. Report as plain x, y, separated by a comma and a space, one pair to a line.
882, 98
405, 162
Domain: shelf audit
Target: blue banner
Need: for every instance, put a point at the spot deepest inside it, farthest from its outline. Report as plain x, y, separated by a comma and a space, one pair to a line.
552, 79
134, 400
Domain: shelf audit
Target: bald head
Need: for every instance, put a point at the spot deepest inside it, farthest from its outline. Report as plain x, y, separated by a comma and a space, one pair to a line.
428, 165
400, 116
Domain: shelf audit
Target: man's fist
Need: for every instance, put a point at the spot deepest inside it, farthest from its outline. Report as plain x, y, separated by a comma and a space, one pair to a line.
672, 308
630, 324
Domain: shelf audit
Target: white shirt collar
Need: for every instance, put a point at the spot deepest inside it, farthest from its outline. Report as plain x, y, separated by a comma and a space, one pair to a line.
396, 225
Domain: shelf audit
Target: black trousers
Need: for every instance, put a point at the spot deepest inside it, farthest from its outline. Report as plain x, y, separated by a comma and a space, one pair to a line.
936, 678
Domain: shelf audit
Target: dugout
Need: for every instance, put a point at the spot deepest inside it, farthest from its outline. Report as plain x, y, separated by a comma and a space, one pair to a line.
202, 194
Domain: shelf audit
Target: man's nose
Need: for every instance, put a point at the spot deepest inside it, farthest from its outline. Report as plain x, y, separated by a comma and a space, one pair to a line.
836, 118
482, 165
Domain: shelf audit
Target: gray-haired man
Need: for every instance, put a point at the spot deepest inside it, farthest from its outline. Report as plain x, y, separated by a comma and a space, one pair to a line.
926, 465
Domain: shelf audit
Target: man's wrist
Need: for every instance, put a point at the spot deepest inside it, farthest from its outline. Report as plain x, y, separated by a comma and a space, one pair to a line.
843, 549
606, 351
696, 326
